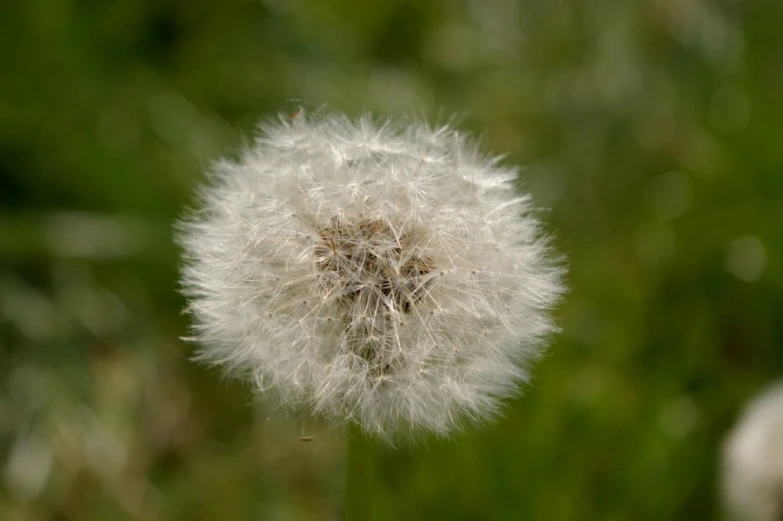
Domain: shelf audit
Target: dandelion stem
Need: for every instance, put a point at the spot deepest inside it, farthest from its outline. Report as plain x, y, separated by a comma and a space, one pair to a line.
358, 475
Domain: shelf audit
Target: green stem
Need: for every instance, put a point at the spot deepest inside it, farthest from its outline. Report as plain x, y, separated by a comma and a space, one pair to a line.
358, 475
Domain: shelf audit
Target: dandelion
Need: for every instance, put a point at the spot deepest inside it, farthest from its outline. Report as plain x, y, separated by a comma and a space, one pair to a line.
387, 276
753, 460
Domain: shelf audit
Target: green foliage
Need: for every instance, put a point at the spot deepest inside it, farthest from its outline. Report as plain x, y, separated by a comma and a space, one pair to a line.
652, 136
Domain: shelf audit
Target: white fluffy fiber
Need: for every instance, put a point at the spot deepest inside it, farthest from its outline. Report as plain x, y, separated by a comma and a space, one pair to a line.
388, 275
753, 460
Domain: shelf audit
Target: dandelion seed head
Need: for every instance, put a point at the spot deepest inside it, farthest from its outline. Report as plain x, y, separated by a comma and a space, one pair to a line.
383, 274
753, 460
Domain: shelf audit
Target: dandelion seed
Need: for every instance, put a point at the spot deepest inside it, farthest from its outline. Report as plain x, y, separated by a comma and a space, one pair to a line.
386, 275
753, 460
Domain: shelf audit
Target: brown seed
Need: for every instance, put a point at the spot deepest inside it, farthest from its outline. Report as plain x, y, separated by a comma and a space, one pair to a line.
376, 267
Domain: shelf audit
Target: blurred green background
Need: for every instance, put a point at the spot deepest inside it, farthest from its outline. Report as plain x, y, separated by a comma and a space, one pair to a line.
651, 132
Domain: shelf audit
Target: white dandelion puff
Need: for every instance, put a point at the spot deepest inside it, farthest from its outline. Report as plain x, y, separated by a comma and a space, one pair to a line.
386, 275
753, 460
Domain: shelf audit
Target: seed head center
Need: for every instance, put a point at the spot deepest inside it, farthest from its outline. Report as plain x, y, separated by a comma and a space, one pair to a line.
380, 265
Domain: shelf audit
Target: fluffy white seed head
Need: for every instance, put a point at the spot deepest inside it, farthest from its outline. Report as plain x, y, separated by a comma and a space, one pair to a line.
753, 461
388, 275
